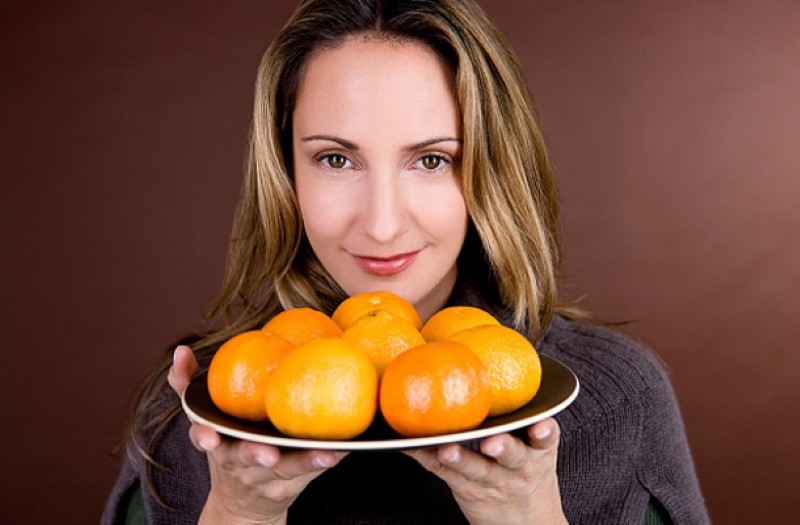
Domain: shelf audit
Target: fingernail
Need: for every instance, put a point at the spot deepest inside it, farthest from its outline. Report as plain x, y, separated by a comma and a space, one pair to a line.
542, 433
494, 450
322, 462
264, 462
452, 456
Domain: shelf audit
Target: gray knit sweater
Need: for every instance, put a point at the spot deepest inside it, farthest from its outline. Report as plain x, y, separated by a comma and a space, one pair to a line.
622, 444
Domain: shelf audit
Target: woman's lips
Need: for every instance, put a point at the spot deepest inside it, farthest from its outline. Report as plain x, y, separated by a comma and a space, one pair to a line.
386, 265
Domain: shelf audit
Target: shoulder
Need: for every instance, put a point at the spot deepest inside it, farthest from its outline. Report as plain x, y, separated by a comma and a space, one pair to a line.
619, 378
605, 354
591, 342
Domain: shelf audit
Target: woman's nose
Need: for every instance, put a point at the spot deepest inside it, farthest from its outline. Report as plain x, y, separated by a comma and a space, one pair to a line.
385, 212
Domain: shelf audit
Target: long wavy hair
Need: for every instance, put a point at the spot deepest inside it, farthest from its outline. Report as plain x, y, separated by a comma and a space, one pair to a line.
506, 180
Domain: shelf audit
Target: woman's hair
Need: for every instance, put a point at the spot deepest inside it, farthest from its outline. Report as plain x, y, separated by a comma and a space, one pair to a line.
506, 175
270, 264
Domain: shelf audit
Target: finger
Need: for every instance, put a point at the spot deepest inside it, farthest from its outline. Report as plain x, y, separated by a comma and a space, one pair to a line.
475, 466
204, 438
427, 457
184, 368
301, 463
508, 451
235, 453
453, 463
283, 466
544, 435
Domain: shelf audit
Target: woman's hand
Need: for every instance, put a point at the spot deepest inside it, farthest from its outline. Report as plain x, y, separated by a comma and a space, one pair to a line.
508, 482
250, 482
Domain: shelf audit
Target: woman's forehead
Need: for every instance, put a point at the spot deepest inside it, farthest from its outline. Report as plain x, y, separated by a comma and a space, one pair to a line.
363, 84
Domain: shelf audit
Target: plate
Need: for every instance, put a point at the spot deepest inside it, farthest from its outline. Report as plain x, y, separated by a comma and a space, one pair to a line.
558, 389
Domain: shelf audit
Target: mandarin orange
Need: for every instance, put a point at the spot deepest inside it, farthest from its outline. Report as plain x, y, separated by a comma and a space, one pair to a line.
357, 305
436, 388
324, 389
382, 336
515, 371
238, 373
301, 325
453, 319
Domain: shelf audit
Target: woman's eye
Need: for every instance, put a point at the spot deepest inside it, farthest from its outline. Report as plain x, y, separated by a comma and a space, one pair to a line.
432, 162
335, 161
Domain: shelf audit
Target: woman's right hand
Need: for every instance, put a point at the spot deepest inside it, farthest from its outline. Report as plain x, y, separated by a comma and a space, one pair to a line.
250, 482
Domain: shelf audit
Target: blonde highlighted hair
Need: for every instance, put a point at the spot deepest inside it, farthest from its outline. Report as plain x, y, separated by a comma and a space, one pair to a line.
506, 177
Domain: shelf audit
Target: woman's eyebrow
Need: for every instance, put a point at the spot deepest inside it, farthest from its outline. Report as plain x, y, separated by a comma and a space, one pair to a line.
354, 147
431, 142
344, 143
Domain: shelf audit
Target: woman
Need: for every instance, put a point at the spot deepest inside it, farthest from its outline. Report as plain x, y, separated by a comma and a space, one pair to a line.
394, 146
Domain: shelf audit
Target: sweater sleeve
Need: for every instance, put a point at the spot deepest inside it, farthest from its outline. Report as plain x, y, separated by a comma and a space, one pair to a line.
174, 492
666, 469
623, 446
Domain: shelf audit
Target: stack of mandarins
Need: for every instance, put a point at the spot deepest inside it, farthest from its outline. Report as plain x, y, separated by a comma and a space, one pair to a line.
320, 377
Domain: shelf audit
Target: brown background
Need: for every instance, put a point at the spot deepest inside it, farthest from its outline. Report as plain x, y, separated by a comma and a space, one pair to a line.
674, 128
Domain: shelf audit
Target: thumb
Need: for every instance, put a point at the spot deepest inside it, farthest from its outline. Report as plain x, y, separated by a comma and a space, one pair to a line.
184, 368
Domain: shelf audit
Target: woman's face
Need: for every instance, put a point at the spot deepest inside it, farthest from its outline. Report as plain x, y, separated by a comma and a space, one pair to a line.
377, 150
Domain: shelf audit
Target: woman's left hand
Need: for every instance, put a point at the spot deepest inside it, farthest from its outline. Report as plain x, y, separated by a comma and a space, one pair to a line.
508, 482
